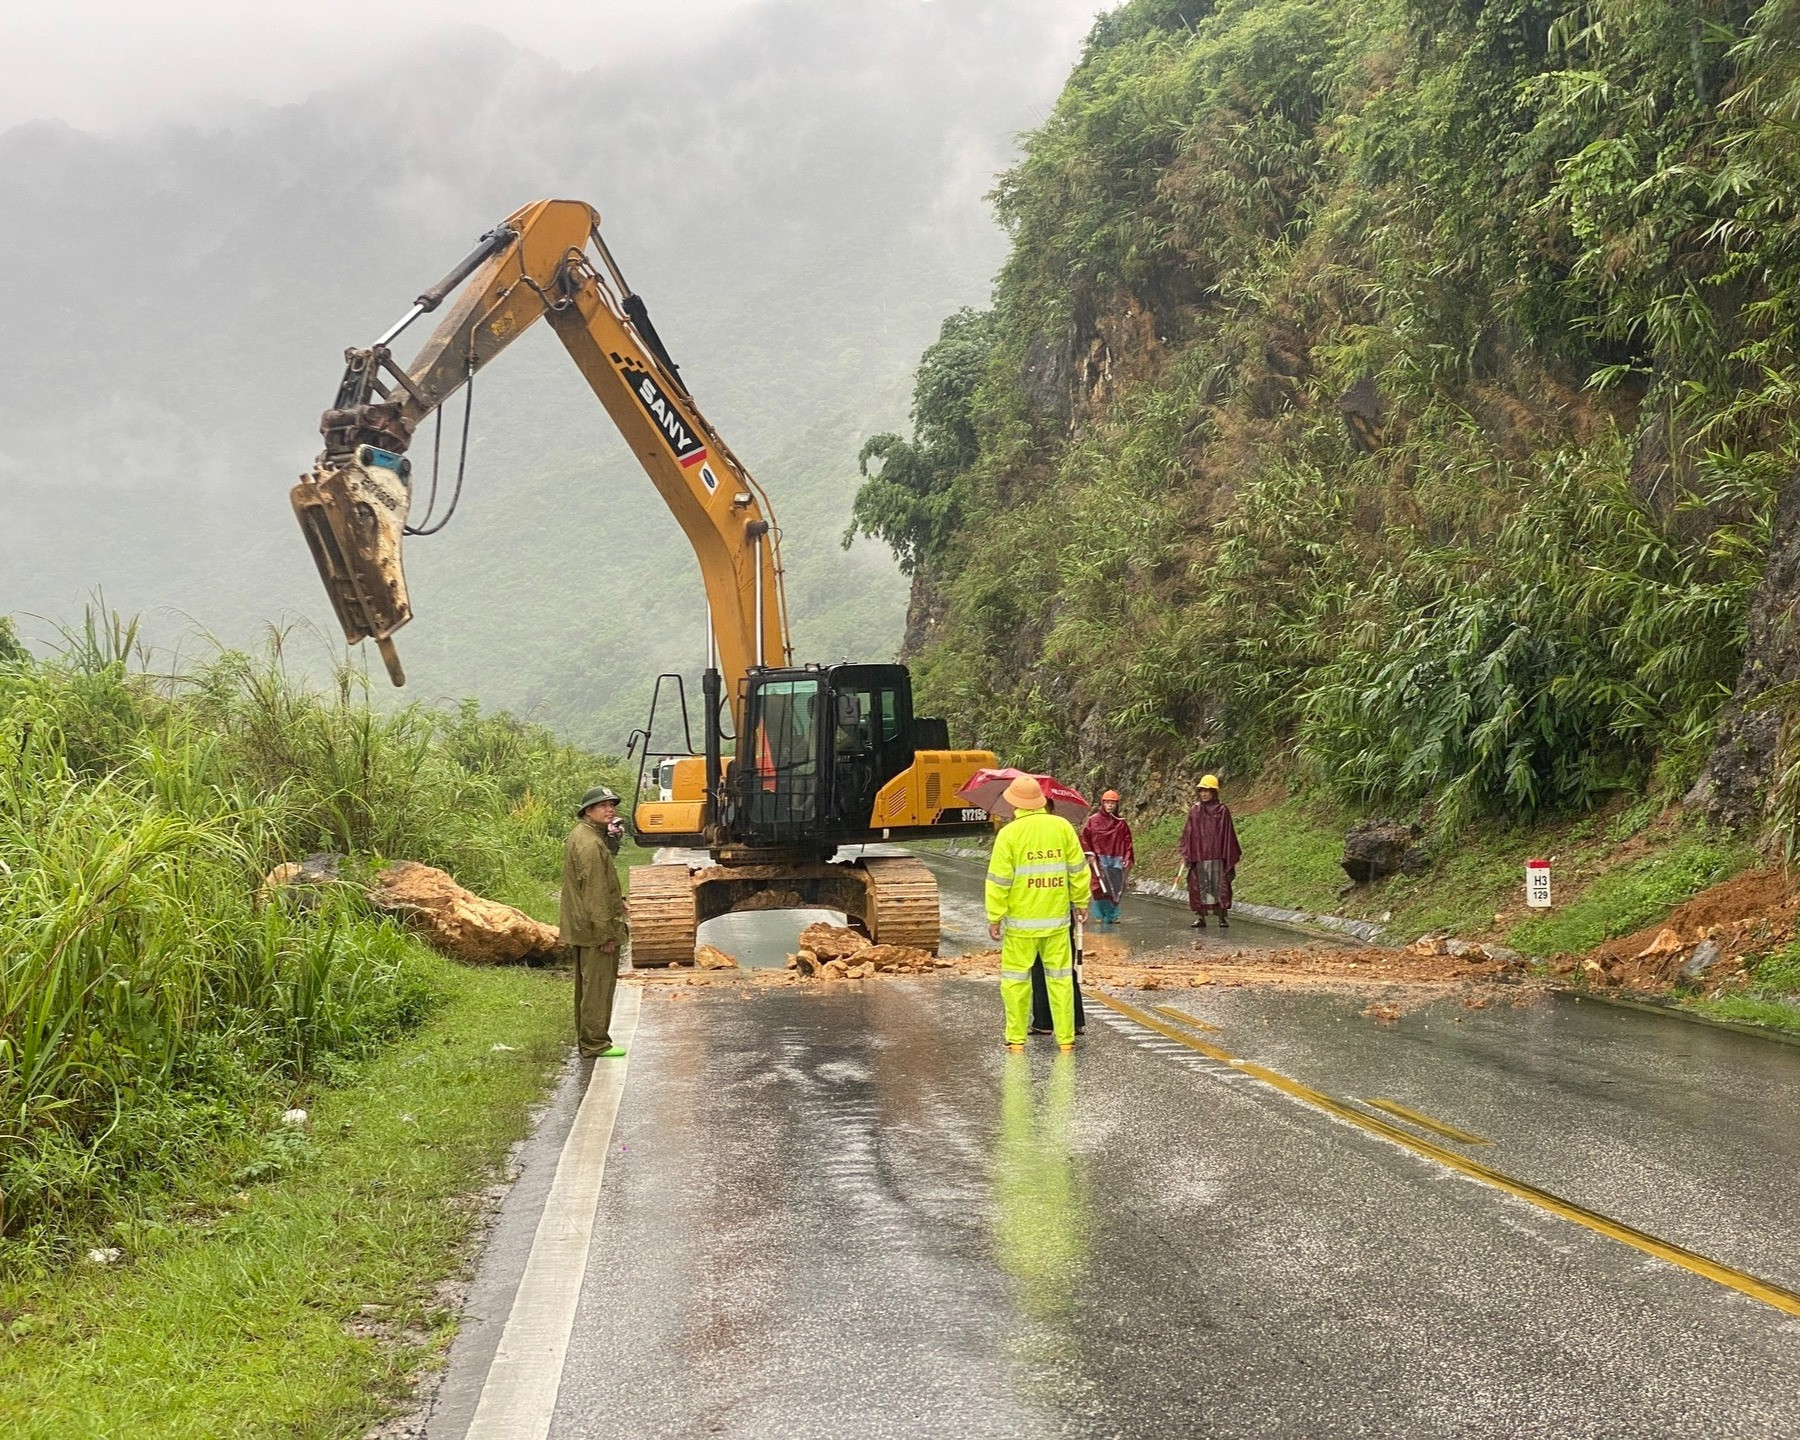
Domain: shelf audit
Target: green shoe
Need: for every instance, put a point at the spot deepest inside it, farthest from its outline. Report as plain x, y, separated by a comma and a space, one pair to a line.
612, 1052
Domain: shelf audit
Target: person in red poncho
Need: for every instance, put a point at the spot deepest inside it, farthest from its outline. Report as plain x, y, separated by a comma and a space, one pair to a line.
1209, 855
1106, 839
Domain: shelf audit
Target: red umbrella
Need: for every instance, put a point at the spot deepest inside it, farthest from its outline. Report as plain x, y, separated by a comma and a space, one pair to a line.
986, 788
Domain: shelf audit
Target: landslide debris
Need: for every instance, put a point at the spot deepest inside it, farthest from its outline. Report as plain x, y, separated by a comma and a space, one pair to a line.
459, 922
1401, 980
825, 953
453, 921
710, 957
1708, 941
836, 952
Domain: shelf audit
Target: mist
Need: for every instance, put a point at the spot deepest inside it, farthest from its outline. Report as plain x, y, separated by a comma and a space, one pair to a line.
797, 188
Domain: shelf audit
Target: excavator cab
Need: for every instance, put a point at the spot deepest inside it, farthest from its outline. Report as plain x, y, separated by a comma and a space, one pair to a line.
824, 753
816, 747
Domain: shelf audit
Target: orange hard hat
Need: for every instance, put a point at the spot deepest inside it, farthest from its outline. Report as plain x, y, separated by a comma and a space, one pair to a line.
1110, 795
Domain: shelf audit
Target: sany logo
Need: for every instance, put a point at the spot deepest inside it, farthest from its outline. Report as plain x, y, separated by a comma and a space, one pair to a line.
689, 451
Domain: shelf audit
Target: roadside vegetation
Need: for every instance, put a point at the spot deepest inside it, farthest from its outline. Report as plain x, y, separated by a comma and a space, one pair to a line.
1384, 405
1391, 395
158, 1012
294, 1281
1771, 998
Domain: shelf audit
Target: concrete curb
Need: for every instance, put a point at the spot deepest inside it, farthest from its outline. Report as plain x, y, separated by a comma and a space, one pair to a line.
1304, 921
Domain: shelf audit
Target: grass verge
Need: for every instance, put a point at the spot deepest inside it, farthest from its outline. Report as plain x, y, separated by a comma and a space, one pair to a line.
303, 1305
1770, 998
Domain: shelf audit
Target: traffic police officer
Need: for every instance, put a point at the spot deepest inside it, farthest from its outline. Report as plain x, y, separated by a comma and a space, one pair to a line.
1036, 876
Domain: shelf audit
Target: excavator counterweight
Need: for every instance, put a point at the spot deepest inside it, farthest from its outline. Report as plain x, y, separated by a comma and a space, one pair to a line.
824, 756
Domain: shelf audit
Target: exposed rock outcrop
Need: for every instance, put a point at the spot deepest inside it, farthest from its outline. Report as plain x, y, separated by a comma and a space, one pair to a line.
1376, 849
1733, 788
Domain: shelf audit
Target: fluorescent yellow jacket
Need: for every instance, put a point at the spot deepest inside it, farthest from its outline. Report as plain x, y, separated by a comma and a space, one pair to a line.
1036, 873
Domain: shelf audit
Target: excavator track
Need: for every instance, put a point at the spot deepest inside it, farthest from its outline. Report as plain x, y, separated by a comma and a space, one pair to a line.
903, 903
663, 921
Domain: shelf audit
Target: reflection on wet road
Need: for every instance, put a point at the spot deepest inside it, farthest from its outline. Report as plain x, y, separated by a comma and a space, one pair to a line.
849, 1212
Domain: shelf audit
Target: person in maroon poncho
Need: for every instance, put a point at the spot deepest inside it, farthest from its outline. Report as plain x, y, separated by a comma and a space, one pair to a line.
1106, 839
1209, 855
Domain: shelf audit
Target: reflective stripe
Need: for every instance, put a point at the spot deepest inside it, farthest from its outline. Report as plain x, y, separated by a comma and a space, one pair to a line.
1039, 870
1021, 976
1052, 922
1061, 972
994, 877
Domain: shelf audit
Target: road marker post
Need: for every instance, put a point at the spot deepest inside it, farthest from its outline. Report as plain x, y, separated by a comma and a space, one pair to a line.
1537, 884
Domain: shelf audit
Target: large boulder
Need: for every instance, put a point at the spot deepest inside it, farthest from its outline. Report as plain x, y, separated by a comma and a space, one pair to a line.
1376, 849
457, 922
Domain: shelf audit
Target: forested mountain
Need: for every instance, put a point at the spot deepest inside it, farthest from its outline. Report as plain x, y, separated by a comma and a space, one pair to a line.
799, 199
1394, 395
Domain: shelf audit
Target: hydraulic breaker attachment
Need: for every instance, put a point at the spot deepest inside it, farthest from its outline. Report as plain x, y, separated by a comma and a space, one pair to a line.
352, 510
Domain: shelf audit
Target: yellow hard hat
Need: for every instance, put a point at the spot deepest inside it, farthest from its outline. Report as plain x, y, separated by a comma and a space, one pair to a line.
1209, 782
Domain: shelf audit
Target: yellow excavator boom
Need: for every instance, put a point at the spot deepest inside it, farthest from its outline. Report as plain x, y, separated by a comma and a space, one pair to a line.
537, 265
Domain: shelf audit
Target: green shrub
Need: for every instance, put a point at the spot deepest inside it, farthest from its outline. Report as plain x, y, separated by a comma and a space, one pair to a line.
1399, 390
151, 1001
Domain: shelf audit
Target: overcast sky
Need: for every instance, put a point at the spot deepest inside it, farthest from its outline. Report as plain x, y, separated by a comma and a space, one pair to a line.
106, 64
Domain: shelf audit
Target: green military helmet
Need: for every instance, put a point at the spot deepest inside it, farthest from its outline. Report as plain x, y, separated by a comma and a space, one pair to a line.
594, 797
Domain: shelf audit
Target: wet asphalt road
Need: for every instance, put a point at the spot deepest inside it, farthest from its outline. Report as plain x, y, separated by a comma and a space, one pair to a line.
849, 1212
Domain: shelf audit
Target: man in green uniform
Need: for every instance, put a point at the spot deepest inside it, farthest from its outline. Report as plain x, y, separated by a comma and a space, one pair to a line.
592, 919
1036, 876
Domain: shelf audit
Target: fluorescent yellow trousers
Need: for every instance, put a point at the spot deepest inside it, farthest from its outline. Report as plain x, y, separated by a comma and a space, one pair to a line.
1018, 949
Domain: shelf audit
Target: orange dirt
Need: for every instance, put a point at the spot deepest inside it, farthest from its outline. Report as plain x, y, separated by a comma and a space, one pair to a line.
1746, 915
1402, 980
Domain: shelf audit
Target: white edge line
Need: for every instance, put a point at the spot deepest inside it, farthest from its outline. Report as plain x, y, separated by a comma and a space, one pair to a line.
518, 1398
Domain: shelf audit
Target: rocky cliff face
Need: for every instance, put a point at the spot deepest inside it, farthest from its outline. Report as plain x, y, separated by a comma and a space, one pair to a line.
1733, 789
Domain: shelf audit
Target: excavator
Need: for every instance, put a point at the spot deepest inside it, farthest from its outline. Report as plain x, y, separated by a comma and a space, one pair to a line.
821, 757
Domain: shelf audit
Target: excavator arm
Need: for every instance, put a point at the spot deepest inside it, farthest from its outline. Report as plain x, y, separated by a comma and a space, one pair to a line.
826, 755
547, 261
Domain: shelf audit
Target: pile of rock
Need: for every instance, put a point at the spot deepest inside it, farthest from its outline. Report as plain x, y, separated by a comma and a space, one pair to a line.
836, 952
1438, 943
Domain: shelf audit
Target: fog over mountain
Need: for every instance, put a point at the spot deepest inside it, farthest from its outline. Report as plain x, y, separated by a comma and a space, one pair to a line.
799, 197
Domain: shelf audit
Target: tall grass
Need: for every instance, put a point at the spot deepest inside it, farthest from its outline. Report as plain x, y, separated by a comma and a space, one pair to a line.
149, 1004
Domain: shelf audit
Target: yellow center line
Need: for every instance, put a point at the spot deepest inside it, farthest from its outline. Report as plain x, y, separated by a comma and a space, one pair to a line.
1192, 1022
1771, 1294
1424, 1121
